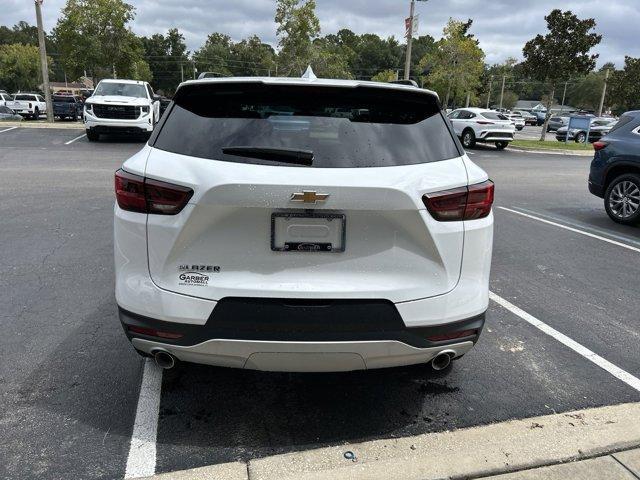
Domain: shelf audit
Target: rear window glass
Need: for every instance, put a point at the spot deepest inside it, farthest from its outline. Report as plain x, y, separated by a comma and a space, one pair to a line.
493, 116
63, 99
342, 127
624, 119
25, 97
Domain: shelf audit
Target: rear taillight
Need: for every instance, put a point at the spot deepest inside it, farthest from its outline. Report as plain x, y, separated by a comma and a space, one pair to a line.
599, 145
483, 122
138, 194
464, 203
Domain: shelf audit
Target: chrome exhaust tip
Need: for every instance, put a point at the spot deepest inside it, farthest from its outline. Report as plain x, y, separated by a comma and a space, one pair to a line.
442, 360
164, 359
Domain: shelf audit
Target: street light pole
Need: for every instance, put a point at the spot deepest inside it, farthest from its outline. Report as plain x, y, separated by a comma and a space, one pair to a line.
43, 62
489, 94
504, 79
604, 93
407, 61
564, 96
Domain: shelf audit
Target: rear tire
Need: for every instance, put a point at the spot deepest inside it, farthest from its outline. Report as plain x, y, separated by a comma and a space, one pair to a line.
92, 136
468, 139
622, 199
502, 145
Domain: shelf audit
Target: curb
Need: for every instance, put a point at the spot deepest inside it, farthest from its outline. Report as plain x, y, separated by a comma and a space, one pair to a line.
468, 453
575, 153
65, 126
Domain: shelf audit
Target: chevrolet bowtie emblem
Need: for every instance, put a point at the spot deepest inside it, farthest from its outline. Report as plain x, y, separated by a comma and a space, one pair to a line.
309, 197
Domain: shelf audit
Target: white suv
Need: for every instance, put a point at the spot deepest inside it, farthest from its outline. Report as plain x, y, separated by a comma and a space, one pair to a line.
121, 106
29, 105
263, 228
480, 125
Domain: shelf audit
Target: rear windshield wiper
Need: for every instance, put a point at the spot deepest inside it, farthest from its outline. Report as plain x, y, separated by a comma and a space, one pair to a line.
285, 155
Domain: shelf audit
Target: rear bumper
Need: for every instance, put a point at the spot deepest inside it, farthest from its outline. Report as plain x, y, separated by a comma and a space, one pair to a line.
495, 136
326, 342
303, 356
596, 189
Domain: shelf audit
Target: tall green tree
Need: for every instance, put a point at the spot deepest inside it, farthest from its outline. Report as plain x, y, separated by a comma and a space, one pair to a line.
167, 57
625, 87
421, 46
330, 62
585, 93
20, 67
298, 26
22, 32
94, 36
385, 76
215, 55
456, 64
252, 57
562, 53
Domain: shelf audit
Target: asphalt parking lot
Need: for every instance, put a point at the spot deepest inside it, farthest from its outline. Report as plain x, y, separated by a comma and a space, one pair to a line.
530, 132
70, 381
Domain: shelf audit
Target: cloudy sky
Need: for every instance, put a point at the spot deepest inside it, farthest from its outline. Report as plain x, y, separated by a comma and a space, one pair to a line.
502, 26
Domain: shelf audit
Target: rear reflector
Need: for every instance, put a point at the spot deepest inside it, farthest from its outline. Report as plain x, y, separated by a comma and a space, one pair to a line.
599, 145
464, 203
452, 335
144, 195
150, 332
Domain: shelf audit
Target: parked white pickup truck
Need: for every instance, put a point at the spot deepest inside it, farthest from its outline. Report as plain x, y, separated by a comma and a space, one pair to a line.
121, 106
29, 105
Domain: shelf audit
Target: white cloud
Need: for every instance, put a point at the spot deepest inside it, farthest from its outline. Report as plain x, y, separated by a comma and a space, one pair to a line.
501, 26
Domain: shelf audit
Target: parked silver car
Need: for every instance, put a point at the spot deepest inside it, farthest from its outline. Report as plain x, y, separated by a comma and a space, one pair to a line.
556, 122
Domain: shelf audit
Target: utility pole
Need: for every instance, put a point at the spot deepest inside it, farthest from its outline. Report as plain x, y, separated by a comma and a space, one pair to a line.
181, 73
43, 62
564, 95
504, 79
489, 94
407, 61
604, 92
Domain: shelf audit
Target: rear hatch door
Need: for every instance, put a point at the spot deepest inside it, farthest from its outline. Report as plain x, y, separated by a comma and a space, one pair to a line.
351, 224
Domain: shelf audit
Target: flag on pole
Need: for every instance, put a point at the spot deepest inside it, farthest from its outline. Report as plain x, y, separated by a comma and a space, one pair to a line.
414, 28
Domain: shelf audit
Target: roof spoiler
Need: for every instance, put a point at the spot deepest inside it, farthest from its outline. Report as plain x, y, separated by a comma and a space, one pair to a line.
411, 83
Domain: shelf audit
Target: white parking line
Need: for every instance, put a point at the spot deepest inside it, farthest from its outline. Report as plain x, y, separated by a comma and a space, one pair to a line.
7, 129
142, 451
571, 229
626, 377
77, 138
587, 228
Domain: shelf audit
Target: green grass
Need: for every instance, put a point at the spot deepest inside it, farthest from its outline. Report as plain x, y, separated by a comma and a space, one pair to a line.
554, 145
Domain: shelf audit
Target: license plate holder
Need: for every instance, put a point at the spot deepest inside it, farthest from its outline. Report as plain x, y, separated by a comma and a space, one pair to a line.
308, 232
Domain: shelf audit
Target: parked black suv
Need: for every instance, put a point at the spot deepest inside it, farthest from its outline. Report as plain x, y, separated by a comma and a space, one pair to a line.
615, 170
